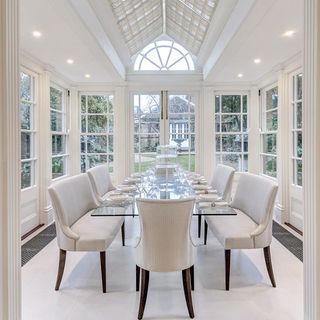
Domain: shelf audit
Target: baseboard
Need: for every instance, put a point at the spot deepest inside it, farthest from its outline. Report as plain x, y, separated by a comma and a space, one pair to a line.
280, 213
47, 215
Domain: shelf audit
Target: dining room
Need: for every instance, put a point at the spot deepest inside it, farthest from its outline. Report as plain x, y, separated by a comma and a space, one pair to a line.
159, 159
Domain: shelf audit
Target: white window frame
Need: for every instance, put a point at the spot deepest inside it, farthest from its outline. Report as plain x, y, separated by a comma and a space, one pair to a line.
264, 131
294, 128
218, 134
33, 127
86, 133
64, 132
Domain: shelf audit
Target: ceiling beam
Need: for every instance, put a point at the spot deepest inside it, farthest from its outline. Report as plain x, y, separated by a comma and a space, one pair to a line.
89, 18
238, 15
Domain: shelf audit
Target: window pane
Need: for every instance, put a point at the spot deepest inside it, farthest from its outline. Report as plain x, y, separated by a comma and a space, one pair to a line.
97, 144
149, 143
272, 120
217, 104
56, 121
110, 144
272, 98
98, 104
217, 122
298, 168
299, 115
299, 144
244, 104
25, 116
83, 163
231, 123
83, 104
56, 97
231, 104
179, 103
151, 127
245, 163
58, 144
270, 166
26, 174
94, 160
232, 160
25, 87
83, 124
57, 167
270, 143
245, 123
218, 143
299, 86
231, 143
25, 145
97, 124
245, 143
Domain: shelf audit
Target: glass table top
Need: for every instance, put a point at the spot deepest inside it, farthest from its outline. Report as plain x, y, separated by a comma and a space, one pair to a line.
152, 187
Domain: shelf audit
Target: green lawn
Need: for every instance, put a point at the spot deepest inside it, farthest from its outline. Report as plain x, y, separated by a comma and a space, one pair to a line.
183, 160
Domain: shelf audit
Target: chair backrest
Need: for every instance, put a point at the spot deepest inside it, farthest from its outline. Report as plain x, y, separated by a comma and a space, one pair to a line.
101, 181
222, 180
255, 196
165, 243
72, 198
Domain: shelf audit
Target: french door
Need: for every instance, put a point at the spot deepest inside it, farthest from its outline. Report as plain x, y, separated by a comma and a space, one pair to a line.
164, 118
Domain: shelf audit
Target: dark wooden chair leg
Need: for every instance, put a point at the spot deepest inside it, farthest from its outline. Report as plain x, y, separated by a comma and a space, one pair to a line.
227, 255
123, 234
103, 270
137, 278
192, 277
62, 263
144, 292
199, 225
267, 258
205, 231
186, 279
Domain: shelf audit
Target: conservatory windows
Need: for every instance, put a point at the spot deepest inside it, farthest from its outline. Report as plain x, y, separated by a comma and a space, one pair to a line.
164, 56
59, 132
97, 120
28, 129
231, 124
297, 129
269, 127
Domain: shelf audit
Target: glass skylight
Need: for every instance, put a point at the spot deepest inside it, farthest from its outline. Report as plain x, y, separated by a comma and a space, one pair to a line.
164, 56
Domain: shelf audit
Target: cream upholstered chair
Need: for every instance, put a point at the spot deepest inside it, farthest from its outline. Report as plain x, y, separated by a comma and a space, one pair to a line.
101, 184
165, 244
73, 201
251, 228
222, 183
101, 181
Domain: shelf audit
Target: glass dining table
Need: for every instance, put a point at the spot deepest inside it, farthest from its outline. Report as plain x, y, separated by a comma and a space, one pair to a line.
123, 203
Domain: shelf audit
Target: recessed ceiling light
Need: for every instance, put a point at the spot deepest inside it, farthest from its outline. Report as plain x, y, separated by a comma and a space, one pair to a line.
37, 34
87, 76
257, 60
70, 61
240, 75
289, 33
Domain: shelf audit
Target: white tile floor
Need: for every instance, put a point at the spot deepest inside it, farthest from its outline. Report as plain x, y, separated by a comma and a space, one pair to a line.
80, 297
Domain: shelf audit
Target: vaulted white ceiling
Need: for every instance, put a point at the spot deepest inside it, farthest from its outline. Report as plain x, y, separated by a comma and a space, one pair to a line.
102, 36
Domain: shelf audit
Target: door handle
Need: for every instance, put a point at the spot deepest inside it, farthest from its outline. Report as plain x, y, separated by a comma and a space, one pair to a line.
161, 104
167, 103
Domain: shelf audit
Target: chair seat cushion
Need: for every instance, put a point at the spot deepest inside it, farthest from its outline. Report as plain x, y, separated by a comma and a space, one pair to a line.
233, 232
96, 233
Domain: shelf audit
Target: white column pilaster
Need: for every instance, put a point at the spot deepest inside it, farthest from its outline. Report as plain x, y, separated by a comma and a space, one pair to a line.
282, 202
122, 155
311, 159
254, 131
46, 211
74, 133
10, 168
207, 142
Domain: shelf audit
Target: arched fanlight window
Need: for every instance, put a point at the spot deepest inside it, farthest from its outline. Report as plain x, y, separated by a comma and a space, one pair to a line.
163, 56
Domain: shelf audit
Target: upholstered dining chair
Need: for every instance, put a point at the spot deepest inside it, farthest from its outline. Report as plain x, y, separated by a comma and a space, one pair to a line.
165, 244
222, 183
251, 228
101, 184
73, 202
